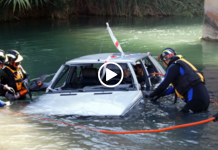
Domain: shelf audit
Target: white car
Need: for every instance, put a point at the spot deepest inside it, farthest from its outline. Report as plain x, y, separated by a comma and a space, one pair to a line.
76, 90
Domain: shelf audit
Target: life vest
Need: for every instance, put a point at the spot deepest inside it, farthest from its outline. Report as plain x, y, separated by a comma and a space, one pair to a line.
140, 74
190, 78
15, 78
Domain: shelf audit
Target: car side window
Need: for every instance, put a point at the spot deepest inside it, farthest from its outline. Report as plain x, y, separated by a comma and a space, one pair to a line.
60, 81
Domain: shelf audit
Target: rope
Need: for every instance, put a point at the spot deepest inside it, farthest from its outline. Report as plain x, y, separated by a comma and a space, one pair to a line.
121, 132
39, 77
102, 41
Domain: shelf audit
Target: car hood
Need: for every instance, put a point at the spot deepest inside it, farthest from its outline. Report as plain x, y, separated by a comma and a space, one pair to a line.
85, 104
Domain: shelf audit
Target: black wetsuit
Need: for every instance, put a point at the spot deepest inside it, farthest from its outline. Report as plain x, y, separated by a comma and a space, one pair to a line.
2, 75
5, 76
197, 98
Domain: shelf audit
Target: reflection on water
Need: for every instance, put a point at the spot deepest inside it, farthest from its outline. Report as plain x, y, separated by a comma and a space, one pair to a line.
45, 45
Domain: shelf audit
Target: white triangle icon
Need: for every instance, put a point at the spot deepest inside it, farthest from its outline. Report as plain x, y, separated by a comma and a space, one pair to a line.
110, 74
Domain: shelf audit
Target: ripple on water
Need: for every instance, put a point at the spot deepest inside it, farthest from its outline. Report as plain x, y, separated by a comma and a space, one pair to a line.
47, 50
191, 141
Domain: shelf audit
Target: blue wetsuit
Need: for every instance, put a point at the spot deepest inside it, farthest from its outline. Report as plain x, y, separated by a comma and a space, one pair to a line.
2, 103
197, 98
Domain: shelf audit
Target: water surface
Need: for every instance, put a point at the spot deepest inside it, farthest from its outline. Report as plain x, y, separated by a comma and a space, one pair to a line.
46, 44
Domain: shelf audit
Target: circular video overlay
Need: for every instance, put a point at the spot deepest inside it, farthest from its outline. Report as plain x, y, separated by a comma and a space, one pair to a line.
109, 74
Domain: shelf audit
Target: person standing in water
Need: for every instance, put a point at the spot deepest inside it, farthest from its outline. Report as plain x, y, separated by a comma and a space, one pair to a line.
14, 75
3, 88
186, 81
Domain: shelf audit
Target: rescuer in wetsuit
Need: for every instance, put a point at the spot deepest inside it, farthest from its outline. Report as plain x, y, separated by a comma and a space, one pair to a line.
3, 88
14, 75
187, 82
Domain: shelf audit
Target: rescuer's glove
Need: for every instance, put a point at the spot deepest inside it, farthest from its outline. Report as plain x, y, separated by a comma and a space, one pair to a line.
216, 117
7, 88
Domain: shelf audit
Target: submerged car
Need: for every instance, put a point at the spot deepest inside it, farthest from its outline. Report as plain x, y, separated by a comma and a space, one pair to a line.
76, 90
81, 87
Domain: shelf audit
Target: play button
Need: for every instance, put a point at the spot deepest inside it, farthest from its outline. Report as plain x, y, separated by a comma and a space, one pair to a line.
110, 74
104, 71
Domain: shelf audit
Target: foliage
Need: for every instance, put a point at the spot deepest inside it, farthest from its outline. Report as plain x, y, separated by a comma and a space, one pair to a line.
21, 4
145, 7
62, 9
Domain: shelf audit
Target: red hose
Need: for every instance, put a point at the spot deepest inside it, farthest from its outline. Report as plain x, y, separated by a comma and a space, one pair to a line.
120, 132
214, 101
159, 130
158, 74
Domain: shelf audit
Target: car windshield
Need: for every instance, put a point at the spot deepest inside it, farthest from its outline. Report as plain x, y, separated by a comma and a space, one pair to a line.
84, 78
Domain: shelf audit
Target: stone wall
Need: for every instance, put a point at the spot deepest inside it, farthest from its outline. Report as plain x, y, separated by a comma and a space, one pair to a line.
210, 26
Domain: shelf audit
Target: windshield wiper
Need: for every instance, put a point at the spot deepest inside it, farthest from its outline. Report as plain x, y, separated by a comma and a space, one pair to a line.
70, 94
102, 93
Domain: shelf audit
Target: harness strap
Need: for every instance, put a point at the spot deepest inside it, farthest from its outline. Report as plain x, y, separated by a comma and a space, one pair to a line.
175, 99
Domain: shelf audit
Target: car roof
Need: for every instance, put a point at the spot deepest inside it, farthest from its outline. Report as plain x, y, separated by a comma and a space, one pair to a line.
108, 57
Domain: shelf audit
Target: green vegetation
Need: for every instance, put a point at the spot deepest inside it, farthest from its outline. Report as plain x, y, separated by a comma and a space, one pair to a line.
61, 9
146, 7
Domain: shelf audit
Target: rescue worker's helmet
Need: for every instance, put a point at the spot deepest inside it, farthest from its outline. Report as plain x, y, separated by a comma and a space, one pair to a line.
167, 53
2, 56
13, 56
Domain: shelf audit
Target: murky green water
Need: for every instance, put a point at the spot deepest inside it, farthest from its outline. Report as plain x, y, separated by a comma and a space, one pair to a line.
45, 45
